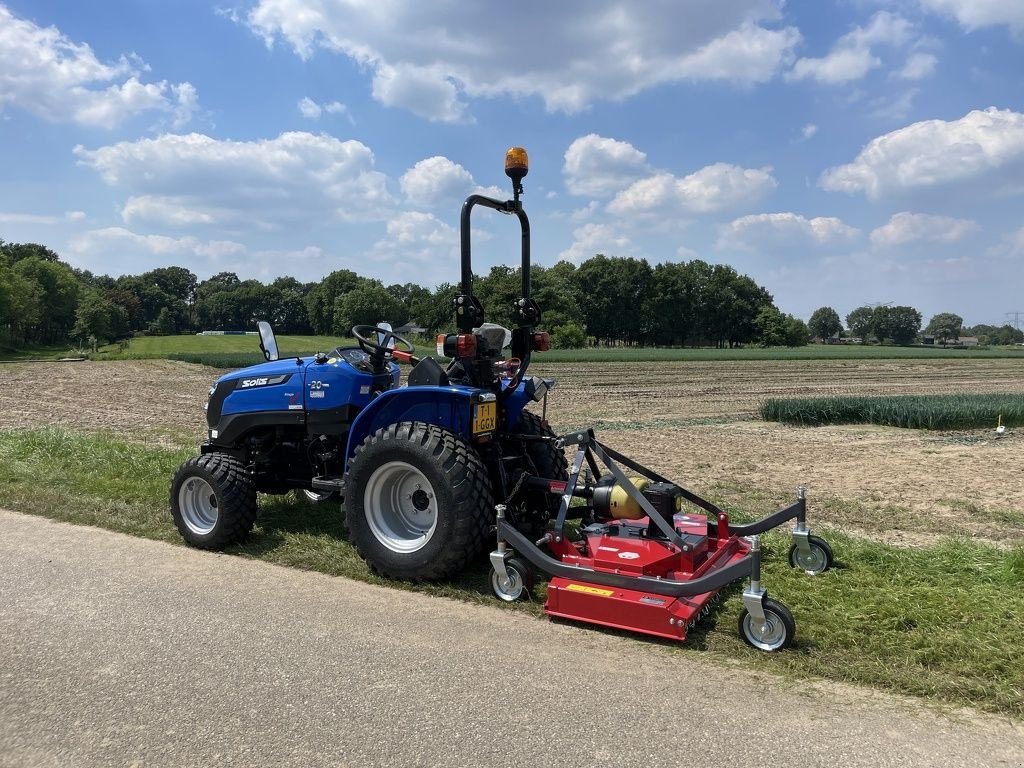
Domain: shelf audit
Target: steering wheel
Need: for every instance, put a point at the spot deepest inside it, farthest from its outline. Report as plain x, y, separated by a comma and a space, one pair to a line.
373, 340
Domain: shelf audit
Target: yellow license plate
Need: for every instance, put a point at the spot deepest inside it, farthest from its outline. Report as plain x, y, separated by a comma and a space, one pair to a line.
485, 417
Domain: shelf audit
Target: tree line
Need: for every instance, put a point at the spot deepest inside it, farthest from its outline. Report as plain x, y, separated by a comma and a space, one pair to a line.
606, 300
902, 325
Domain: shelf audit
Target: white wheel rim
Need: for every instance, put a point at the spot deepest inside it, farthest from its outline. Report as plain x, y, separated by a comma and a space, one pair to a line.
812, 561
198, 505
400, 507
769, 637
508, 589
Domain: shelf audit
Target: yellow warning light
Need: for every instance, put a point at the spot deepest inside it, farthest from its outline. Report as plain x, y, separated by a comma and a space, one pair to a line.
517, 163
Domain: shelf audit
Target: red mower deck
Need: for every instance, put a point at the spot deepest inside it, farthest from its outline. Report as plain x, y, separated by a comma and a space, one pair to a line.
643, 565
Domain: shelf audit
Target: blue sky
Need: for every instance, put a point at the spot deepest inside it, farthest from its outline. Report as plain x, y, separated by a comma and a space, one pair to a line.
841, 152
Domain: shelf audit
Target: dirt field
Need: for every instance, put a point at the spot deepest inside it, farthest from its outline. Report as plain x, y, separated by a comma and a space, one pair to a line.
694, 422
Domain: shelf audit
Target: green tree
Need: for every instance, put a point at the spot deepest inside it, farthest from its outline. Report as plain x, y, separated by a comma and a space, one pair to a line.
860, 322
98, 317
21, 304
322, 299
368, 303
616, 290
945, 326
825, 323
568, 336
59, 298
797, 332
18, 251
436, 311
901, 324
166, 323
771, 327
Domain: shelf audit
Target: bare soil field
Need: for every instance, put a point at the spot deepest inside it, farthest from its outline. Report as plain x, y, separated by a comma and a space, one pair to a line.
692, 421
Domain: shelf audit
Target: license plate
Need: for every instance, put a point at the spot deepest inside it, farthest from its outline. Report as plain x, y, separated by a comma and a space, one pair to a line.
485, 417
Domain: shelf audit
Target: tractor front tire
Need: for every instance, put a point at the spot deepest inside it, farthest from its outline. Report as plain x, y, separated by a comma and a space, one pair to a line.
418, 502
213, 501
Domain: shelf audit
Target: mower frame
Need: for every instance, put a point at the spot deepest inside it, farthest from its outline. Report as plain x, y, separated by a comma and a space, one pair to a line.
738, 546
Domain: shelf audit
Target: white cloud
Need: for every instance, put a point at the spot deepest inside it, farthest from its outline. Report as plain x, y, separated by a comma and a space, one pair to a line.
424, 91
438, 182
808, 130
119, 251
1011, 246
591, 239
430, 58
770, 231
48, 75
933, 152
309, 108
40, 218
852, 57
893, 108
418, 243
912, 227
713, 188
155, 209
337, 108
599, 167
313, 111
976, 14
297, 177
918, 67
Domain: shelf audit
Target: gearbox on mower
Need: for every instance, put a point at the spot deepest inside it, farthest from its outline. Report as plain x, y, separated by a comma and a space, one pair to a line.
430, 469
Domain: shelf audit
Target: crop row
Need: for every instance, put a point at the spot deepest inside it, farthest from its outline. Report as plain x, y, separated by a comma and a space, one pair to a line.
967, 411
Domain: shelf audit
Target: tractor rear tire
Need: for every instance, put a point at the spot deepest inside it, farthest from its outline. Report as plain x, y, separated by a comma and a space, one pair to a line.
418, 502
549, 460
213, 501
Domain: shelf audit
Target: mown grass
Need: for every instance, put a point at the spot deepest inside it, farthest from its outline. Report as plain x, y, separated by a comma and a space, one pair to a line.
962, 411
940, 622
233, 351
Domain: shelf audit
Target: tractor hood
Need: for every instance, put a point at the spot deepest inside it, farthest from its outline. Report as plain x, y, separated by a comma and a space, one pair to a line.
280, 367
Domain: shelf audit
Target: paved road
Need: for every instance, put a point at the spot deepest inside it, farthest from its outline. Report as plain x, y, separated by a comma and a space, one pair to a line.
118, 651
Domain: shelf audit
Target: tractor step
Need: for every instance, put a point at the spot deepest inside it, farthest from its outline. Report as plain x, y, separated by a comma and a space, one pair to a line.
329, 483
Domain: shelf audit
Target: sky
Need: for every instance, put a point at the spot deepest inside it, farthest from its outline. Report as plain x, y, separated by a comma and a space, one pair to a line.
840, 152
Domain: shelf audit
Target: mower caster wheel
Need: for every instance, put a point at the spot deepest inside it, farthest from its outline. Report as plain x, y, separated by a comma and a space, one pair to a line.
817, 560
518, 585
778, 631
310, 496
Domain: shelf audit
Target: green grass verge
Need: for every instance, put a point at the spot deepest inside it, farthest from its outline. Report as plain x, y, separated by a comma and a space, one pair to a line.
38, 352
967, 411
941, 622
231, 351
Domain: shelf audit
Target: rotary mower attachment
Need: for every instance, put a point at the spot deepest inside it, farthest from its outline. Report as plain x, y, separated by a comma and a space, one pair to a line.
638, 562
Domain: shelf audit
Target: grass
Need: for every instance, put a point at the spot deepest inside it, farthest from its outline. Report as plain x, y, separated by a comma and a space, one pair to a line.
37, 352
963, 411
231, 351
940, 622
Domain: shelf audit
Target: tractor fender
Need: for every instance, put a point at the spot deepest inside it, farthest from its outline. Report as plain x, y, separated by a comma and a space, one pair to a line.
448, 407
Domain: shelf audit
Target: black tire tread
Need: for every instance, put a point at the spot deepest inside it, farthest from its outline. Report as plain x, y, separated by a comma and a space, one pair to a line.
549, 461
237, 506
470, 485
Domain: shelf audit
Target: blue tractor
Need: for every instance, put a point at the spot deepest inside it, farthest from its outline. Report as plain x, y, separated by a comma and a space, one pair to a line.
419, 466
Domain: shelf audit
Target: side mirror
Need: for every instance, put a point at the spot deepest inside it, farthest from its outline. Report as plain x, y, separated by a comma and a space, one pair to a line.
268, 343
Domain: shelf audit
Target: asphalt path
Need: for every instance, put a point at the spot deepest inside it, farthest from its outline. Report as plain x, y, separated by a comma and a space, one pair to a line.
117, 651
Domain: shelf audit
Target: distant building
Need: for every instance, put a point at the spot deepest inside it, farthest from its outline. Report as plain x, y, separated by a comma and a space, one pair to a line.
963, 341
